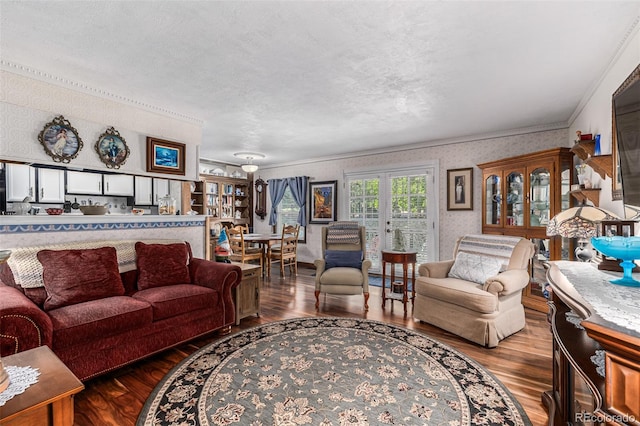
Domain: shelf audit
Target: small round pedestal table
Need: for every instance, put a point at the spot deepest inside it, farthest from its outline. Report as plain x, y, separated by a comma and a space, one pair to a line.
405, 258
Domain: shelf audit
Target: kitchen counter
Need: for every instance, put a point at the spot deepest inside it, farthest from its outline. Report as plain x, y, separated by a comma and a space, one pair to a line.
18, 231
78, 221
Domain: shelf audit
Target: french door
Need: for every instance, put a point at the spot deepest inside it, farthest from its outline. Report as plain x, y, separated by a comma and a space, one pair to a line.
398, 209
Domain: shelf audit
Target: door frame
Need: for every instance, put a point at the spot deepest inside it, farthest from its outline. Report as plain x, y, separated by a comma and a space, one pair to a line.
429, 167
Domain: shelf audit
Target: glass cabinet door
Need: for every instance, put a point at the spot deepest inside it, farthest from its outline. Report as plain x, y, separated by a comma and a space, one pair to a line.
515, 199
540, 197
493, 199
538, 271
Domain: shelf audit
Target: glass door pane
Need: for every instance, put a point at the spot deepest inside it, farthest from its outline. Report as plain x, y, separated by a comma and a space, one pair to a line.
407, 225
515, 199
494, 200
540, 196
538, 270
364, 208
396, 210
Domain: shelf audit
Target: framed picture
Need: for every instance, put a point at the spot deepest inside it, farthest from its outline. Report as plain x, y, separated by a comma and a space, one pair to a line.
460, 189
60, 140
165, 156
322, 206
112, 148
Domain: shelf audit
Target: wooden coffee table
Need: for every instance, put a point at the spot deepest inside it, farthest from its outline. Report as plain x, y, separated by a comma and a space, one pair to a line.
47, 402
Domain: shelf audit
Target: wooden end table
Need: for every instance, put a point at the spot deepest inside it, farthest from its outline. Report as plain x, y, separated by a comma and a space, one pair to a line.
405, 258
246, 295
47, 402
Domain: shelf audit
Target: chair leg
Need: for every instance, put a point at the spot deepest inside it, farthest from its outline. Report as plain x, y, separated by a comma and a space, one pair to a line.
366, 302
317, 293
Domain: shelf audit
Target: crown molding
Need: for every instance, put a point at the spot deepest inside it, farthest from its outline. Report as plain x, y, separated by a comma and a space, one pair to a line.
46, 77
427, 144
624, 44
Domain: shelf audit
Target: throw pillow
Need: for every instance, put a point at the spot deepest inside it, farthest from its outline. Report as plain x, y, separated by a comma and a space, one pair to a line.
475, 267
162, 264
75, 276
343, 258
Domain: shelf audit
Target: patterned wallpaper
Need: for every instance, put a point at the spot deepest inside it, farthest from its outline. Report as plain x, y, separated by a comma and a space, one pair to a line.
27, 104
453, 156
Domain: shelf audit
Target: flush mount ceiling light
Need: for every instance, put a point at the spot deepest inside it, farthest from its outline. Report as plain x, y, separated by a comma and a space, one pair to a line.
249, 167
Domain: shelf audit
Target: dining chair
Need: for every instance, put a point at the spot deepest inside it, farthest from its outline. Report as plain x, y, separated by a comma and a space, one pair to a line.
286, 251
240, 251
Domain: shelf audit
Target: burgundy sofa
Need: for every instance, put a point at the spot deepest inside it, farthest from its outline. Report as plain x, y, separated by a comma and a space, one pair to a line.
105, 304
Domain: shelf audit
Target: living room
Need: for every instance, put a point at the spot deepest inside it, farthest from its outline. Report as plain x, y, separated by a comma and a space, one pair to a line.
32, 95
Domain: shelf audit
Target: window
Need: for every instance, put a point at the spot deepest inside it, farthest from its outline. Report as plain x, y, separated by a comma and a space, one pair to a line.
288, 214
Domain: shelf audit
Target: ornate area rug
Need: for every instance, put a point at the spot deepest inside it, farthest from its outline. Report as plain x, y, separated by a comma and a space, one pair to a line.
330, 371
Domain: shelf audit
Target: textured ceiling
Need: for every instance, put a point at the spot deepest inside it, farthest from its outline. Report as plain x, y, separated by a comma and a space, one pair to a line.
302, 79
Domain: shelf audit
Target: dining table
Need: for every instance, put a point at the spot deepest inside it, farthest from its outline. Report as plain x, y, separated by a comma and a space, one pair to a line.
265, 241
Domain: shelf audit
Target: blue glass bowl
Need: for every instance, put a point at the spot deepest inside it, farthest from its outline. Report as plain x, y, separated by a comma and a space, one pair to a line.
626, 249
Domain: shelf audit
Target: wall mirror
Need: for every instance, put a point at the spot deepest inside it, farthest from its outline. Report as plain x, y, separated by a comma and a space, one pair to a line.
625, 145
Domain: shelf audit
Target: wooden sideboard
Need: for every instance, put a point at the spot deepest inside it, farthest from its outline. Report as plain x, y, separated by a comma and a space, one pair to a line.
596, 348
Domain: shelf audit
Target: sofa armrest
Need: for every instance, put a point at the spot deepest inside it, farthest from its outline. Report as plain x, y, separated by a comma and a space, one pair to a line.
507, 282
23, 325
435, 269
366, 265
320, 265
219, 276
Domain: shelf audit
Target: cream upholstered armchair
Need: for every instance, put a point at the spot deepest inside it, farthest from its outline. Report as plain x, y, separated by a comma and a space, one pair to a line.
343, 268
477, 295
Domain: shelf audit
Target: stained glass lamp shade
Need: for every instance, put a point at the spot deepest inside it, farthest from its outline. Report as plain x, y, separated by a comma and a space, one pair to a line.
579, 222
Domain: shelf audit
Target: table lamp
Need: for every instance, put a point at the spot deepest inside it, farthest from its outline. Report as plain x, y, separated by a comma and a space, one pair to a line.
4, 377
581, 223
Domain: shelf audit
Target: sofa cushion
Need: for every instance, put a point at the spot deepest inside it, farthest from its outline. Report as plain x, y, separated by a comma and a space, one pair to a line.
97, 319
475, 267
342, 276
458, 292
170, 301
343, 258
76, 276
162, 264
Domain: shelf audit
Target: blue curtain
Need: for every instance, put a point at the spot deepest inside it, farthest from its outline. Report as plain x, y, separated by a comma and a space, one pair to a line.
276, 192
298, 187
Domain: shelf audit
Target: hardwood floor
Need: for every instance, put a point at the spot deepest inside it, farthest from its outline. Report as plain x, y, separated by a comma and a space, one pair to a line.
522, 362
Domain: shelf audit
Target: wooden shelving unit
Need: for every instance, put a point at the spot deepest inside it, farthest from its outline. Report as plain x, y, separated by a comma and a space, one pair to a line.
192, 191
592, 194
219, 198
602, 164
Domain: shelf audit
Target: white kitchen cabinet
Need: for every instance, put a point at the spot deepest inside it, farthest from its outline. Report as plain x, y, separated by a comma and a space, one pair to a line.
144, 186
21, 182
84, 183
50, 185
160, 189
118, 185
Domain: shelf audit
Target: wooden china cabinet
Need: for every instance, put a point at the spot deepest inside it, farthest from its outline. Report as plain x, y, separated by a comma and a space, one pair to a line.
519, 197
